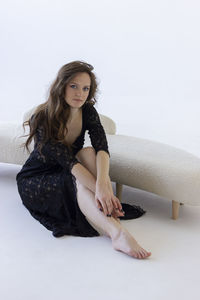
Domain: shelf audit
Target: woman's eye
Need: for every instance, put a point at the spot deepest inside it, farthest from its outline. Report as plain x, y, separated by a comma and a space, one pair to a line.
74, 86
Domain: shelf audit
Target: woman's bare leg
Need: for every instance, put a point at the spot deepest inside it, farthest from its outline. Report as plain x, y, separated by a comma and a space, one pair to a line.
87, 157
122, 240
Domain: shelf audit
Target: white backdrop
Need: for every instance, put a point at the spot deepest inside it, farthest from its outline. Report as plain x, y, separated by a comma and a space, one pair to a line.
145, 55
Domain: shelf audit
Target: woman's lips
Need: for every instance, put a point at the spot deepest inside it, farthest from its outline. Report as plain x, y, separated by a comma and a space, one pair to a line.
77, 100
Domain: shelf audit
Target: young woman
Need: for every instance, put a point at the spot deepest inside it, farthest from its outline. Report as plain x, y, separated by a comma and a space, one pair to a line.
64, 186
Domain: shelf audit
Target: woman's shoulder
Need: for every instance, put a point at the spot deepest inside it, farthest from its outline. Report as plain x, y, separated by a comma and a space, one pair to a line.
89, 108
91, 115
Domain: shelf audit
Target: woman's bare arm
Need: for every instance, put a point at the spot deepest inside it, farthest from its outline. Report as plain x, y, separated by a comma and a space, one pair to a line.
102, 166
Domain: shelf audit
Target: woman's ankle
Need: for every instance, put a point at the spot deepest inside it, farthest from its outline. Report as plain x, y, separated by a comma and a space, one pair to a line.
116, 230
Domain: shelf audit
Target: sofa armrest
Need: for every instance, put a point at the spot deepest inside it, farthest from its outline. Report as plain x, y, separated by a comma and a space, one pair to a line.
11, 150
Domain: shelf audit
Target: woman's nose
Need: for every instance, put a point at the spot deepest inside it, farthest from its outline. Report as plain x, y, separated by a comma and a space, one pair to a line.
78, 92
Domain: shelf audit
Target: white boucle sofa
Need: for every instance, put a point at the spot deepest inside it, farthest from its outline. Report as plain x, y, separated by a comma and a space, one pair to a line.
140, 163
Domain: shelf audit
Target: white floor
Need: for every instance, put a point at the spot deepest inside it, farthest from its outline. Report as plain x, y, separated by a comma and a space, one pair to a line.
35, 265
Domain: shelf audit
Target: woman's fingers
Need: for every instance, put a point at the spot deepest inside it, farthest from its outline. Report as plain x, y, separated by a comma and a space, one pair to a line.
115, 212
106, 207
117, 203
103, 205
118, 207
110, 206
99, 206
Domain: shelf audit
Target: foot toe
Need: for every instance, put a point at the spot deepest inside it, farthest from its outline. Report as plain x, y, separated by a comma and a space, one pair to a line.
140, 255
143, 254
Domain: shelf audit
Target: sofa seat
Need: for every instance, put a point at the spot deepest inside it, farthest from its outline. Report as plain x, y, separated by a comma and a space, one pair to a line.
155, 167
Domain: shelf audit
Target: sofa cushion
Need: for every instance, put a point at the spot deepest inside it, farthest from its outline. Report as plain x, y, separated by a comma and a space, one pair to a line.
154, 167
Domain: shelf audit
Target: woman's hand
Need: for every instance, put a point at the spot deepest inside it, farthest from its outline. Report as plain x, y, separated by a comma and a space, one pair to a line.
117, 210
106, 200
103, 197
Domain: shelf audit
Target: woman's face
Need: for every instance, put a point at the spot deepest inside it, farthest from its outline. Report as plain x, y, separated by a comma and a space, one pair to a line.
77, 90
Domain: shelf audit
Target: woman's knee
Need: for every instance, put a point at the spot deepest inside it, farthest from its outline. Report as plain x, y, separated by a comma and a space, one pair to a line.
87, 157
85, 153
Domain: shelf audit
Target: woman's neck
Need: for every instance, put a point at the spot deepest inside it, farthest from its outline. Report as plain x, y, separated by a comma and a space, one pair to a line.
74, 113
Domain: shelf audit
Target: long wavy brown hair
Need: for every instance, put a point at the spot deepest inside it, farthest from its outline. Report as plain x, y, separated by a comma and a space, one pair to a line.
54, 112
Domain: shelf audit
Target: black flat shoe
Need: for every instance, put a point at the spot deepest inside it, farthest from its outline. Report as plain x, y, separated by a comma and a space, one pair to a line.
131, 211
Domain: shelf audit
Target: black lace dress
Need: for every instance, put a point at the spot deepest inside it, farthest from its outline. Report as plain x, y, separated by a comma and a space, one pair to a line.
48, 188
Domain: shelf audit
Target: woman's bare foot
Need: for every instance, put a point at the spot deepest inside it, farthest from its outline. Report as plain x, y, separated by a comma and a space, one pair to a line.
126, 243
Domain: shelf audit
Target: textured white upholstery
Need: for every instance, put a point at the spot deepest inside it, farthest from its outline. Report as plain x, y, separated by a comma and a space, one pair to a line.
154, 167
148, 165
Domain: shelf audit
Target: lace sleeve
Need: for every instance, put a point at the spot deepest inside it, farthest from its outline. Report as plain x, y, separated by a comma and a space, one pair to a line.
96, 131
57, 151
